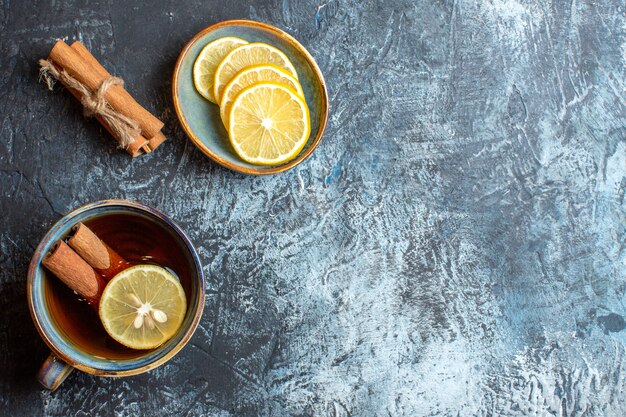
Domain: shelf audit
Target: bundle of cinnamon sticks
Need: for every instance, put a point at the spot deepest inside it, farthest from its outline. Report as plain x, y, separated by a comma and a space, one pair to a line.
85, 263
102, 95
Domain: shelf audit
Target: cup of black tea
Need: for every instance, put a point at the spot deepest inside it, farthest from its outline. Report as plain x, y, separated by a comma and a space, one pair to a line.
69, 322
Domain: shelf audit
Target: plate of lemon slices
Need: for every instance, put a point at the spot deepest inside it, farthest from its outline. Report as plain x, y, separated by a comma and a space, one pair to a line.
250, 97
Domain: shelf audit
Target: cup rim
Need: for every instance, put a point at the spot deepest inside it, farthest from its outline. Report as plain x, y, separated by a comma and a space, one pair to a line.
304, 155
36, 261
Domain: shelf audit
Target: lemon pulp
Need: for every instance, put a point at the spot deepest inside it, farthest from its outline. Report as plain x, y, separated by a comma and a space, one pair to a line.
254, 75
143, 306
268, 124
245, 56
209, 58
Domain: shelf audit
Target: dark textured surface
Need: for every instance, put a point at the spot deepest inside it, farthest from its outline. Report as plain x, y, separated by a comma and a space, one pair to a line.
455, 247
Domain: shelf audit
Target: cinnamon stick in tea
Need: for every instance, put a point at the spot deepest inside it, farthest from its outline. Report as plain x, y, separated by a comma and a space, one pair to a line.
118, 98
70, 268
141, 143
96, 253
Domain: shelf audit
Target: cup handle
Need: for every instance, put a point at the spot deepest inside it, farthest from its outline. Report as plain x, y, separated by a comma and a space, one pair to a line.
53, 372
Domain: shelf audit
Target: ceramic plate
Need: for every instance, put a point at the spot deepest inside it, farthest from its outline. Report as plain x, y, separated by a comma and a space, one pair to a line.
201, 118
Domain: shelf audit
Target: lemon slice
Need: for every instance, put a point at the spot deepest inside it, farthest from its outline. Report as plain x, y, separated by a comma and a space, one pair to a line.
269, 124
143, 306
254, 75
246, 56
208, 60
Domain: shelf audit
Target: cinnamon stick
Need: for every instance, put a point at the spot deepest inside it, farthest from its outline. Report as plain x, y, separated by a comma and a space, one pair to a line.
135, 148
96, 253
154, 142
118, 98
70, 268
141, 143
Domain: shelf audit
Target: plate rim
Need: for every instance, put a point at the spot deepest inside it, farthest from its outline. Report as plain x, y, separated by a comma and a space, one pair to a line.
205, 149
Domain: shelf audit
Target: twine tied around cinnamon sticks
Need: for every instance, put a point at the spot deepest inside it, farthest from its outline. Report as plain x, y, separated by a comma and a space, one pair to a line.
94, 103
103, 96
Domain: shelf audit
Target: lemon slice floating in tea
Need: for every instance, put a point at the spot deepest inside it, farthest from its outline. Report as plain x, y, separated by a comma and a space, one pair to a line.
246, 56
207, 62
269, 124
143, 306
253, 75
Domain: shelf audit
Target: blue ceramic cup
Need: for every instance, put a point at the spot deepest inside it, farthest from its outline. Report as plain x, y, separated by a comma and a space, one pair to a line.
71, 329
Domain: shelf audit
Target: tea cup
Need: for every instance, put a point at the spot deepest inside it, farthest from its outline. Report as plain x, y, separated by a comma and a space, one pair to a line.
76, 347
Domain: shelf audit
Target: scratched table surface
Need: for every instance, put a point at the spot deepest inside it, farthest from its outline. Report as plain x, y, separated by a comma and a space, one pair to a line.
455, 246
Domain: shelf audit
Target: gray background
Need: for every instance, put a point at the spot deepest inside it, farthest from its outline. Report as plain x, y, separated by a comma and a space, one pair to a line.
455, 247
